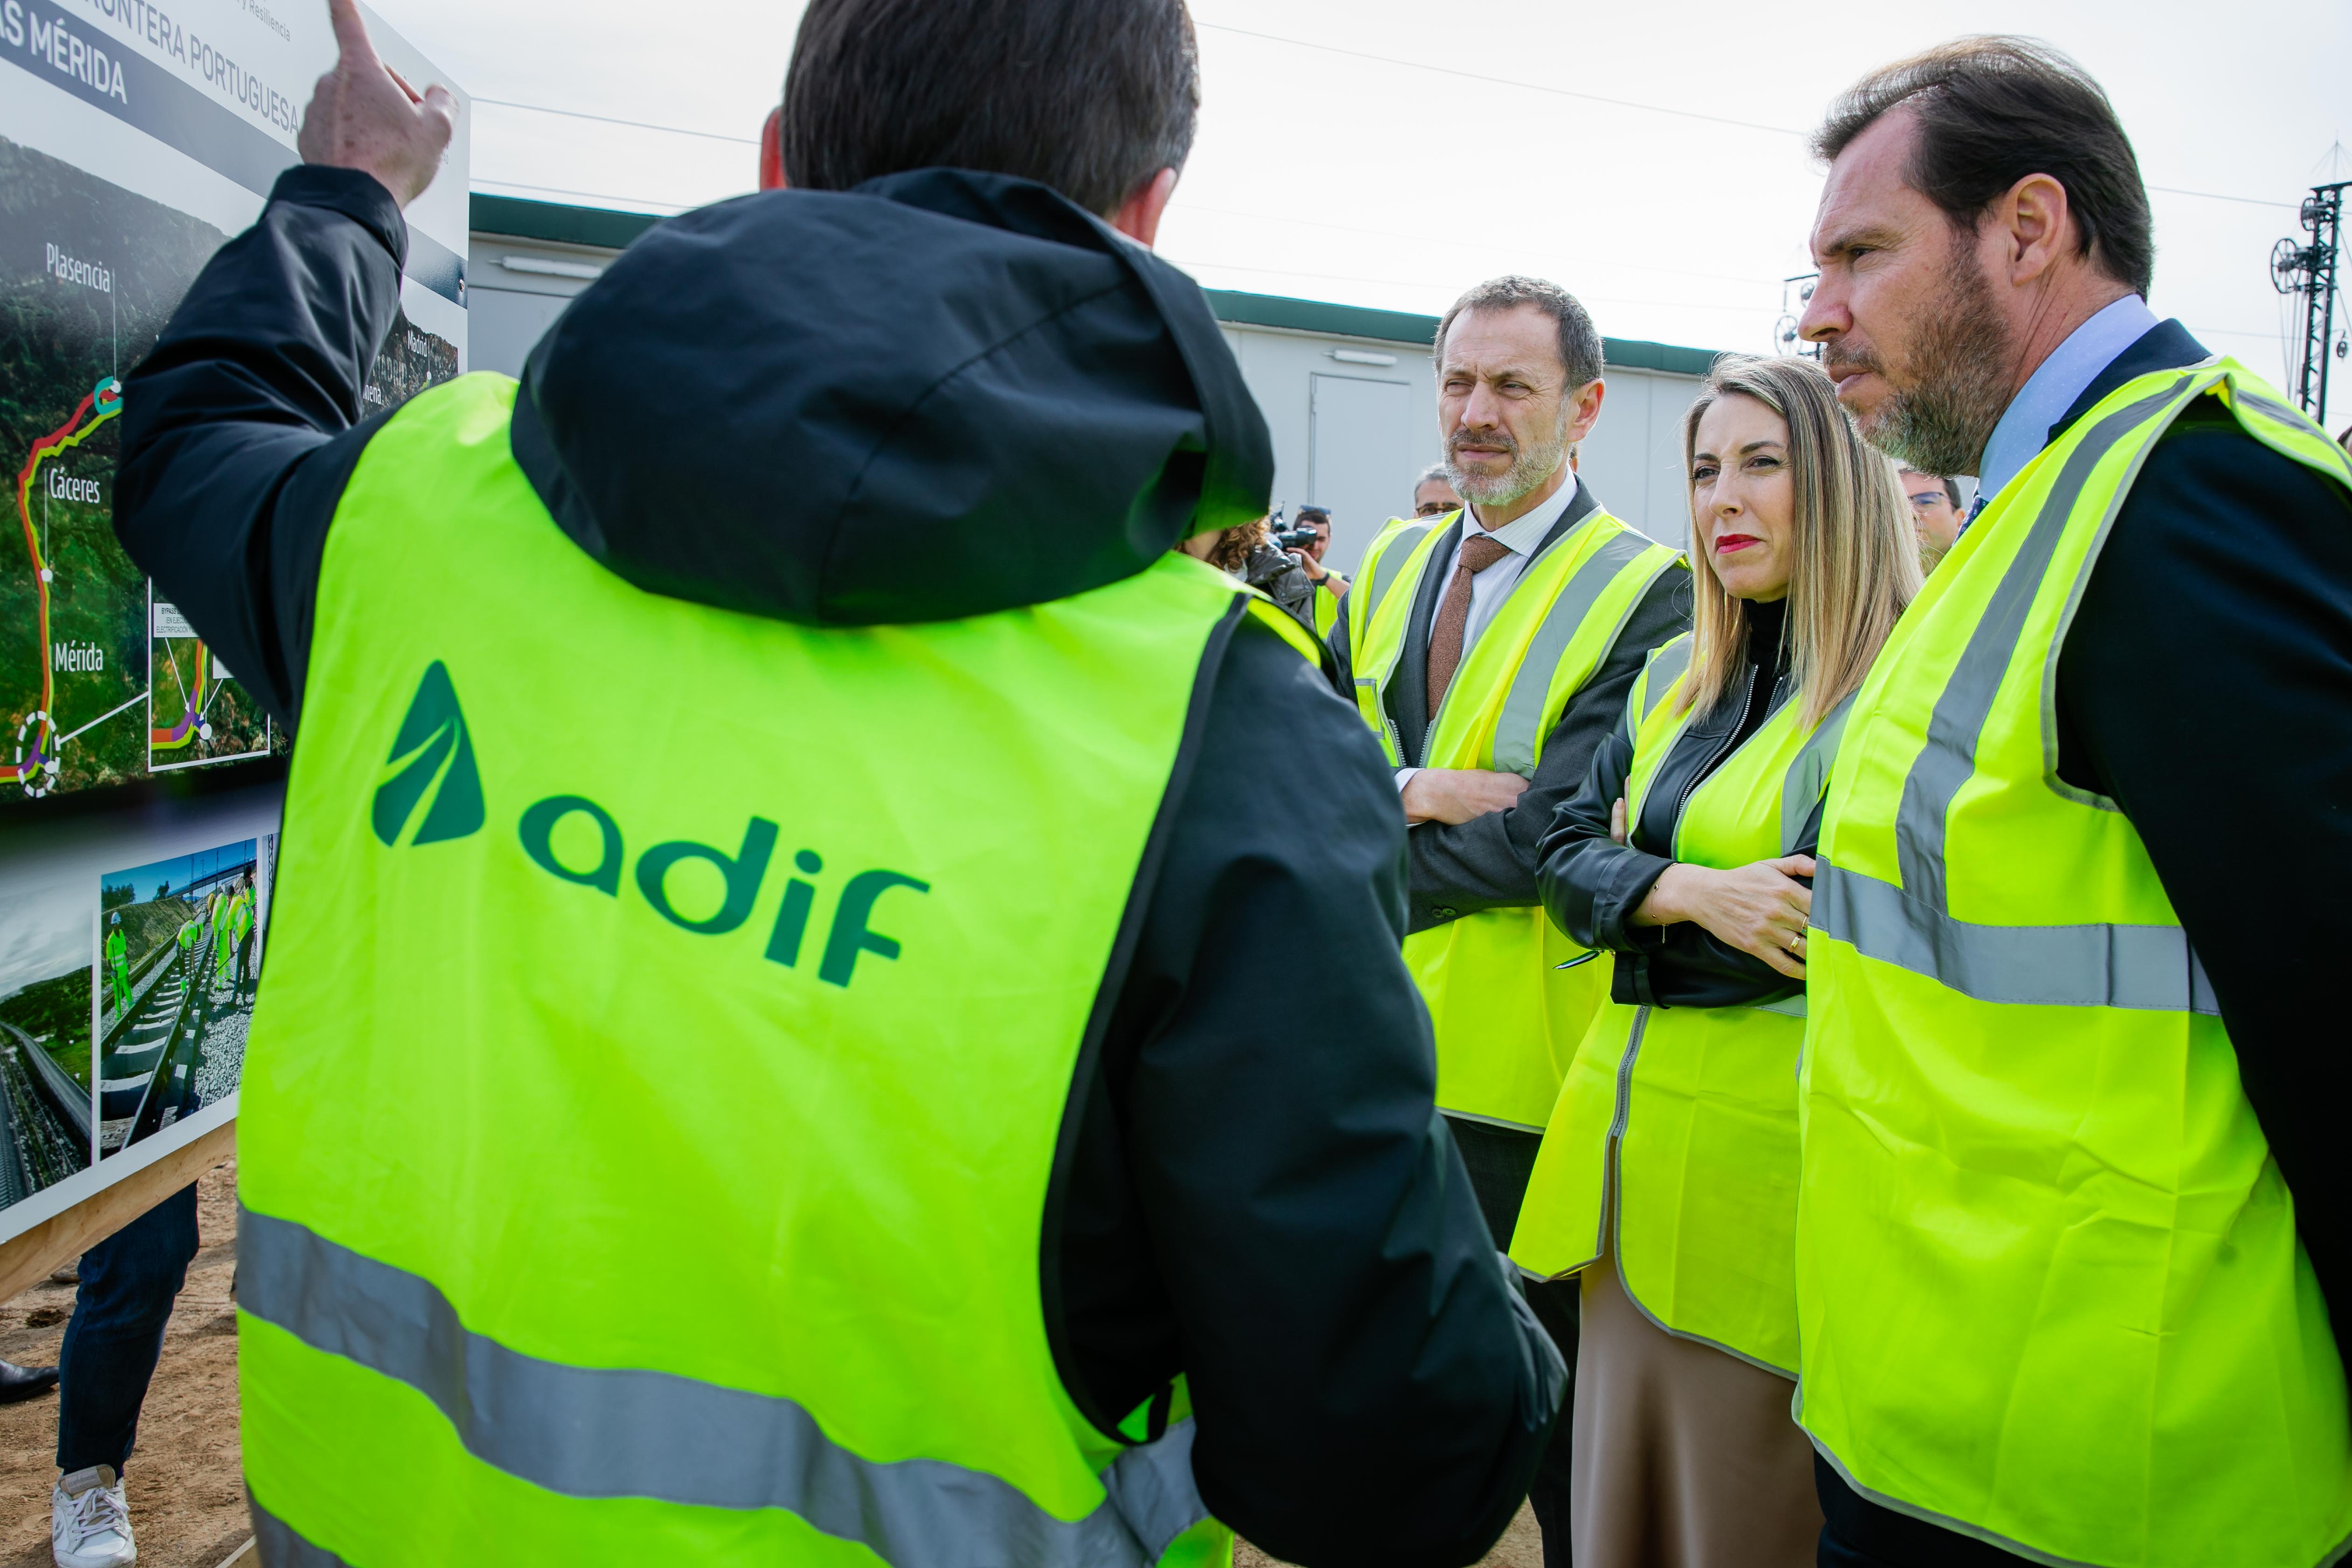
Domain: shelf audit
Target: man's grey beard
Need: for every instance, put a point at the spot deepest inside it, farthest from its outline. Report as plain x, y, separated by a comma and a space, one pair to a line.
1530, 468
1962, 373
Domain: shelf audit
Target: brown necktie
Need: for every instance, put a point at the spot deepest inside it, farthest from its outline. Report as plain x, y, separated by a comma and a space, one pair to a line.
1480, 551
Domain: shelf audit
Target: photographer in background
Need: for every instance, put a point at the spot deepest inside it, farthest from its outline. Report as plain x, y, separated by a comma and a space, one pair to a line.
1306, 541
1252, 551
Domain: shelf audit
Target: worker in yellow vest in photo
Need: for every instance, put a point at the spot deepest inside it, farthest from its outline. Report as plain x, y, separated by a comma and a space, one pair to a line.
1667, 1182
765, 1055
2072, 1228
117, 962
1491, 650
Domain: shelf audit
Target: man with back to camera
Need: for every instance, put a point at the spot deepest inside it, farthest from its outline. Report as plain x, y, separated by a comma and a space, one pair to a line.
1432, 492
1934, 512
1491, 650
2074, 1197
1068, 1224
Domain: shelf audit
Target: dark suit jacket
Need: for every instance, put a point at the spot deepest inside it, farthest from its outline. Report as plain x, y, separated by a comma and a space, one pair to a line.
1489, 862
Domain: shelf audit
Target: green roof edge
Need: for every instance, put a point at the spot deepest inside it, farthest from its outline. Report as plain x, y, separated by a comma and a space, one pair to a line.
557, 222
1409, 327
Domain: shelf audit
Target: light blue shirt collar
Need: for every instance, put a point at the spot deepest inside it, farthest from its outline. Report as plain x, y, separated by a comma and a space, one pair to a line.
2052, 388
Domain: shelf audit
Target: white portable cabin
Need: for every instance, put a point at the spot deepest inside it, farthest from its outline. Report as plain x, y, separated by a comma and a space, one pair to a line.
1349, 394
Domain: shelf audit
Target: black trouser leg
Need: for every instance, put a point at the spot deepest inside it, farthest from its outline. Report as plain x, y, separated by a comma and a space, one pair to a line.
1500, 1160
116, 1335
1557, 1304
1859, 1533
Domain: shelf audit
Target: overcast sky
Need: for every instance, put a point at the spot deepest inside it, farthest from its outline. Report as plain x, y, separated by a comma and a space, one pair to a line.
1389, 152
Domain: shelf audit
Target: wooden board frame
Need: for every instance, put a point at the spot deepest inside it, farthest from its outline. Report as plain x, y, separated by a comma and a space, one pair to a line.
31, 1256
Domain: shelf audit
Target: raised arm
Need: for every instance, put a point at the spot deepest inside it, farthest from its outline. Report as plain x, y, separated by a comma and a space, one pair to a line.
238, 428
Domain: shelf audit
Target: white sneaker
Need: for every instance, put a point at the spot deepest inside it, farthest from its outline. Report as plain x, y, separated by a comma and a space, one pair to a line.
90, 1524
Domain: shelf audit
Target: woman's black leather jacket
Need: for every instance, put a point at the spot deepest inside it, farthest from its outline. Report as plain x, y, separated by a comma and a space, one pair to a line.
1592, 886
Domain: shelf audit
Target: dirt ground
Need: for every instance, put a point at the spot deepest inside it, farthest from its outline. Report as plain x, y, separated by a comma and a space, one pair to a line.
1521, 1547
187, 1495
186, 1490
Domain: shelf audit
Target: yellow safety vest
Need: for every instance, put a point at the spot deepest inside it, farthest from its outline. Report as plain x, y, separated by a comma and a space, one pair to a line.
2048, 1281
1507, 1016
668, 955
1326, 608
1677, 1126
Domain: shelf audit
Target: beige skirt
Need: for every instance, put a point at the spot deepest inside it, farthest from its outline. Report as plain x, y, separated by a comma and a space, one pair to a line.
1686, 1457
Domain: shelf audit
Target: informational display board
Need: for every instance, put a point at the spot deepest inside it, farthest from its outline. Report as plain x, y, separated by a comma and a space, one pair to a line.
135, 139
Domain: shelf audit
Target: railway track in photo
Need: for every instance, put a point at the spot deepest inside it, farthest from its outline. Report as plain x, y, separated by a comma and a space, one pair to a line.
44, 1115
150, 1055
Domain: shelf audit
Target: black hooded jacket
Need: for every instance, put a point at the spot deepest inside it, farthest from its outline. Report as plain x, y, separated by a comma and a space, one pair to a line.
941, 394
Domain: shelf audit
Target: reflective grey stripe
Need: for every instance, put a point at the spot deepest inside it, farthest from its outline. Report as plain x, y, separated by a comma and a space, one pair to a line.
1668, 667
600, 1432
1393, 556
2148, 967
1788, 1007
1151, 1489
281, 1545
1808, 777
2297, 420
1948, 760
1519, 731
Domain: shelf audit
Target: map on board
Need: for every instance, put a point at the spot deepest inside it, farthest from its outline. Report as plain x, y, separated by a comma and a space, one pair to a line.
98, 683
134, 143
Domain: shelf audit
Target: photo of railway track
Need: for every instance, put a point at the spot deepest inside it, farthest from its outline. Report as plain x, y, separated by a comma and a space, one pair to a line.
179, 955
45, 1111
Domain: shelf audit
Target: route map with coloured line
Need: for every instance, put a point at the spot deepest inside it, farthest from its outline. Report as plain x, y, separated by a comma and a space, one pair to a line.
100, 682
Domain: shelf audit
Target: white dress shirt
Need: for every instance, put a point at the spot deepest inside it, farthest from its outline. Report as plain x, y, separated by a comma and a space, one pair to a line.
1489, 588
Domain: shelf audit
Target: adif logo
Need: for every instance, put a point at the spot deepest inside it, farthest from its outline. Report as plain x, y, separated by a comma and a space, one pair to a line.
432, 753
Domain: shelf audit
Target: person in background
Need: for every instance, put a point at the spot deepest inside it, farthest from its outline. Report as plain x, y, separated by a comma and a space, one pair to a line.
2077, 1201
1330, 588
1935, 513
121, 1305
1491, 650
1076, 1232
1433, 493
1667, 1183
1246, 550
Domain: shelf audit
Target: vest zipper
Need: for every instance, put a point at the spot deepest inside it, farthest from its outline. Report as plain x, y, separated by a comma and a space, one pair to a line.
1700, 775
1623, 1113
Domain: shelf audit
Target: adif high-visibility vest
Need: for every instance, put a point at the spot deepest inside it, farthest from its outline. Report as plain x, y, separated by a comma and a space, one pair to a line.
652, 1099
1507, 1016
2048, 1281
1674, 1140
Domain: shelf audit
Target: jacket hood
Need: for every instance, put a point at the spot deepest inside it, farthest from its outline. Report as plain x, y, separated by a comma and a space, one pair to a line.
939, 394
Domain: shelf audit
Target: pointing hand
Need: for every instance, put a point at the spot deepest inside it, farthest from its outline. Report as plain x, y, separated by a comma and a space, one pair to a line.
364, 116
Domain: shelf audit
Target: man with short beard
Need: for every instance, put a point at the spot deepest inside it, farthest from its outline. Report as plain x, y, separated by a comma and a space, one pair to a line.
1491, 650
2074, 1196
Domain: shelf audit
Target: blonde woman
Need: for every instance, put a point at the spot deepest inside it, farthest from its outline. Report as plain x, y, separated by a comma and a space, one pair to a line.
1668, 1175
